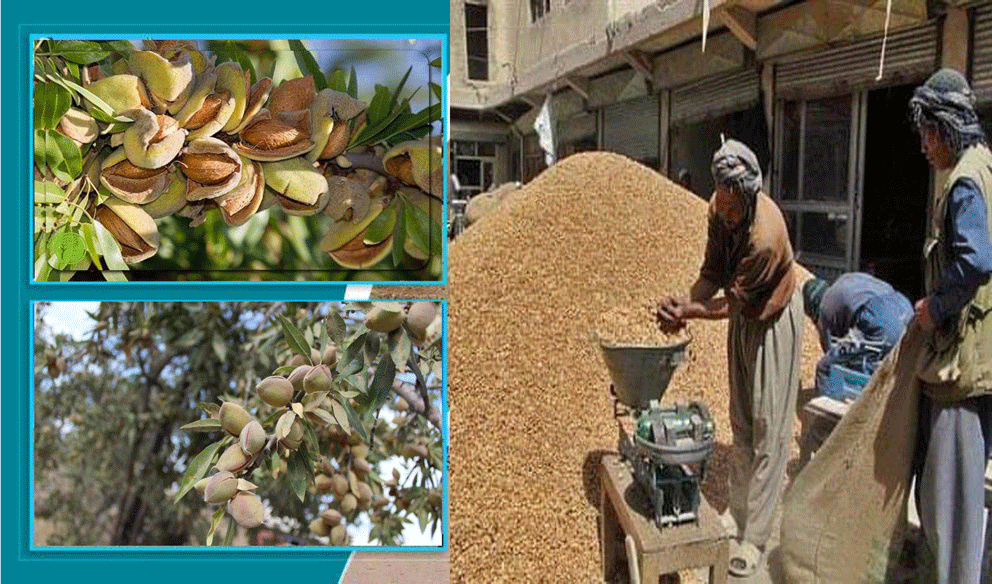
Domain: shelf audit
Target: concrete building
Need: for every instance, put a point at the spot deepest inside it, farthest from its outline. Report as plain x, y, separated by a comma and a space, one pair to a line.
799, 81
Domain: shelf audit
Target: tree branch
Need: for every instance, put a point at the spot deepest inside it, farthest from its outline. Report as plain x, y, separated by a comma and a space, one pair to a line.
418, 405
366, 160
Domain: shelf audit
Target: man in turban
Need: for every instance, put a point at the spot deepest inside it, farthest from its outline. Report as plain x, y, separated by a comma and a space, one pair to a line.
955, 435
749, 257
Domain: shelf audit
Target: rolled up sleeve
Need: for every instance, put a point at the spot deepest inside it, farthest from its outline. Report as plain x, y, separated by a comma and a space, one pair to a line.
969, 251
716, 263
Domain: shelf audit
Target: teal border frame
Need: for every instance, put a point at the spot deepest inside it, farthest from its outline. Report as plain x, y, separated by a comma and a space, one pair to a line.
205, 553
115, 18
29, 159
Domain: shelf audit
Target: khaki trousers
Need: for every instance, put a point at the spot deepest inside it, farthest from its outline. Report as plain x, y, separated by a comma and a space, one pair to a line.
765, 363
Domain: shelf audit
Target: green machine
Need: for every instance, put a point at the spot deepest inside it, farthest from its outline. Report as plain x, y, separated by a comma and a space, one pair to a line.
670, 444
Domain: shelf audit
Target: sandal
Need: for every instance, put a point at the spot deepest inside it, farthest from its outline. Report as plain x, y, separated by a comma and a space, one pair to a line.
744, 559
729, 525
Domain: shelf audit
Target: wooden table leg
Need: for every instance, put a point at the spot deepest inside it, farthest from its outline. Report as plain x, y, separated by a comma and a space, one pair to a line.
609, 526
649, 569
720, 568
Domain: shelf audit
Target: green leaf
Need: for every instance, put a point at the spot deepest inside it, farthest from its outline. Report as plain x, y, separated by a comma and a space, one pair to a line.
308, 65
399, 234
220, 349
356, 422
399, 88
297, 474
198, 468
92, 245
229, 534
371, 348
238, 54
205, 425
399, 344
210, 408
340, 415
353, 84
379, 106
429, 114
122, 47
113, 276
436, 63
43, 105
308, 434
81, 52
325, 339
324, 415
298, 231
353, 358
39, 151
103, 108
312, 401
214, 523
111, 249
190, 338
48, 192
371, 133
309, 458
336, 327
358, 380
437, 239
41, 266
62, 156
284, 370
382, 382
436, 89
295, 339
381, 227
70, 154
338, 81
418, 227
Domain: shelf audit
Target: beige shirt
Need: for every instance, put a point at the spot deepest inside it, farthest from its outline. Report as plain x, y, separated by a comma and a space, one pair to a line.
754, 266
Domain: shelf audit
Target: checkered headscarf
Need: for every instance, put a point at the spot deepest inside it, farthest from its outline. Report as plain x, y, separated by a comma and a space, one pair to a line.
947, 102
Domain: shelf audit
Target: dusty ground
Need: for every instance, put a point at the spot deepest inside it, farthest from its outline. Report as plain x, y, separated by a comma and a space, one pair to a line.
398, 568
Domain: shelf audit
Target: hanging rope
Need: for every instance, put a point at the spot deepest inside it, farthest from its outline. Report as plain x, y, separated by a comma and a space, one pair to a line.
885, 38
706, 21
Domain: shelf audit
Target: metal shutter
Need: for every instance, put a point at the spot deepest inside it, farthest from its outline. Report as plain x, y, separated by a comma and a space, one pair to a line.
981, 51
575, 128
910, 55
631, 127
715, 95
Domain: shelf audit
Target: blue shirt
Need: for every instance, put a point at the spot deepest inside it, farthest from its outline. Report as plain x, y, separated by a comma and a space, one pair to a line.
969, 251
842, 301
859, 301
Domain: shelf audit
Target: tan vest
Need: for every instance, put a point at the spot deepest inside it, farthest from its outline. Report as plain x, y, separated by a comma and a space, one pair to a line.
957, 362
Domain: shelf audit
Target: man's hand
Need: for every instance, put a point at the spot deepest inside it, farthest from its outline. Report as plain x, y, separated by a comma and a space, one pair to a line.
670, 314
923, 315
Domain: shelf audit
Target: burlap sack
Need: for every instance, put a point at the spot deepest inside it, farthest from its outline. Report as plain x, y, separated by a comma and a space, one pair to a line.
844, 517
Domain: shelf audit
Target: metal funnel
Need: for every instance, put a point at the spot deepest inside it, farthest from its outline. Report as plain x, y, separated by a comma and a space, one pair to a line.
641, 373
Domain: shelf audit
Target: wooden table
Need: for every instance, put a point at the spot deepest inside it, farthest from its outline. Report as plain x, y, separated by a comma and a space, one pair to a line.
819, 418
625, 511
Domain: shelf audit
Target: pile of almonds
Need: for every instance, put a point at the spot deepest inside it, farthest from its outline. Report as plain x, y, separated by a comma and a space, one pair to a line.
630, 323
594, 238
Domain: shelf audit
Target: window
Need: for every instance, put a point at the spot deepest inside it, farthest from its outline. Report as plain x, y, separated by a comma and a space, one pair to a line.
534, 161
477, 40
539, 8
814, 187
985, 117
475, 164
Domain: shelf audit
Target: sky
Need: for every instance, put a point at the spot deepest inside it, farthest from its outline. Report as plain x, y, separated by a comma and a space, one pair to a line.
71, 318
